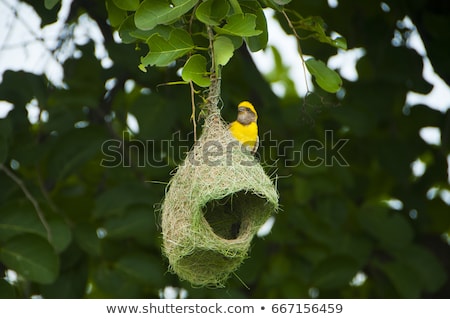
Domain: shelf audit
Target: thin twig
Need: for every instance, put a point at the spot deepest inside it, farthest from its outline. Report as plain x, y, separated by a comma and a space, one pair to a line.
300, 51
194, 123
241, 281
191, 20
214, 88
30, 197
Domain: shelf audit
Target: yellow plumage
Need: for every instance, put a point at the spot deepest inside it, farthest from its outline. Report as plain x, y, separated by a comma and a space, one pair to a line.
245, 128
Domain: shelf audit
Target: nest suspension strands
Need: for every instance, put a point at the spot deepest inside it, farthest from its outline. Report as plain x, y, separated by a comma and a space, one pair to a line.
215, 203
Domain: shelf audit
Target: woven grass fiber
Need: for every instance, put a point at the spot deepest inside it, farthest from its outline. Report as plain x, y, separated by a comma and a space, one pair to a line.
216, 202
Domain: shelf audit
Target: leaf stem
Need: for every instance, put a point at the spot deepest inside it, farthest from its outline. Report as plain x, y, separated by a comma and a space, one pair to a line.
235, 5
201, 49
30, 197
194, 123
214, 88
300, 51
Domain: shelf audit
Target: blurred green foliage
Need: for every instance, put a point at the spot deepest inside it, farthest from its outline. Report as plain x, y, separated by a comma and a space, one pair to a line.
335, 222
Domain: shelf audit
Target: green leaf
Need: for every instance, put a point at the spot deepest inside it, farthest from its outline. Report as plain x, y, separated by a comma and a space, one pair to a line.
316, 28
136, 223
163, 51
49, 4
392, 231
6, 290
129, 33
142, 268
258, 42
5, 128
329, 80
3, 149
281, 2
114, 283
273, 5
85, 87
20, 87
431, 273
241, 25
61, 234
212, 12
18, 218
87, 239
162, 30
115, 14
116, 200
237, 41
142, 67
153, 12
340, 43
358, 247
195, 70
126, 28
152, 123
74, 149
403, 278
128, 5
281, 73
70, 284
32, 257
223, 50
5, 132
334, 272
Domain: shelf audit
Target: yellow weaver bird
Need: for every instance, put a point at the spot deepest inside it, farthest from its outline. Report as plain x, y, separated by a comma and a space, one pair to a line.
245, 129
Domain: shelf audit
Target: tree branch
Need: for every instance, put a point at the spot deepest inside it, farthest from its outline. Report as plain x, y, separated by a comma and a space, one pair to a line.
214, 88
30, 197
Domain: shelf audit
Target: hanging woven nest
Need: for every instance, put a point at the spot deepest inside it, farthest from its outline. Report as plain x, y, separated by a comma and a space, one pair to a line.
215, 203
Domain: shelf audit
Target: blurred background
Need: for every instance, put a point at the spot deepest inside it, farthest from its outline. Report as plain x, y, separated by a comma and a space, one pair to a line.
372, 220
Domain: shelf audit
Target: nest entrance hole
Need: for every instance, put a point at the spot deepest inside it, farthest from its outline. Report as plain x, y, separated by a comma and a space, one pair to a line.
233, 216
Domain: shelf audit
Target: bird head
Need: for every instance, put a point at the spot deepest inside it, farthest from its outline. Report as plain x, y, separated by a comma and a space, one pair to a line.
246, 113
